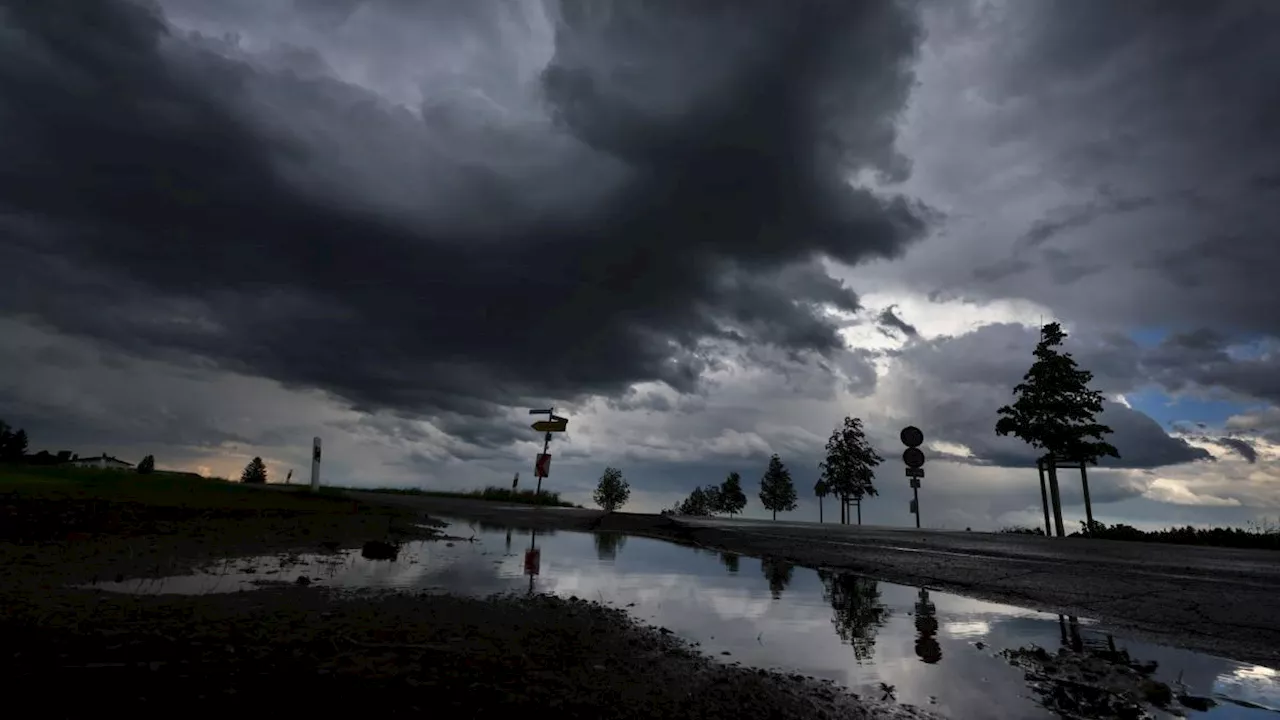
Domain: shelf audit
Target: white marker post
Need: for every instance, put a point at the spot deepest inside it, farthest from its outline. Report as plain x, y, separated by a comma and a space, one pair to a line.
315, 465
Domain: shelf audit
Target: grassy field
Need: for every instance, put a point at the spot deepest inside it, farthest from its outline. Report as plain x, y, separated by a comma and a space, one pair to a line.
495, 494
74, 505
175, 490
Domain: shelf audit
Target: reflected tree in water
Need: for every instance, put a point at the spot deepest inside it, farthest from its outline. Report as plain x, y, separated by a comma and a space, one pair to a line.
858, 612
927, 647
778, 573
730, 561
608, 545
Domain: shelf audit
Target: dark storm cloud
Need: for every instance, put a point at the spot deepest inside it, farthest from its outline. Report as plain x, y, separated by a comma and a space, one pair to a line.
890, 319
1244, 448
1202, 361
1063, 267
149, 200
1112, 157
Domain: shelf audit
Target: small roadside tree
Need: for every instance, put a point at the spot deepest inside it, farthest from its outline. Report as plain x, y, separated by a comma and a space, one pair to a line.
777, 492
13, 445
820, 489
849, 469
147, 465
699, 503
255, 473
1055, 411
731, 498
613, 491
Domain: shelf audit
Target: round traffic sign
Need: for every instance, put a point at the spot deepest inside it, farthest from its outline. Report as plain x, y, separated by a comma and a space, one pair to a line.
911, 436
913, 457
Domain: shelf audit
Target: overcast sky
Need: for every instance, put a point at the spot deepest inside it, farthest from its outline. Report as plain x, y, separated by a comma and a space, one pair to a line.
705, 232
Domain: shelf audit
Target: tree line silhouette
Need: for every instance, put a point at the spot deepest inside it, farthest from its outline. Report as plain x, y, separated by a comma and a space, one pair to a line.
14, 446
847, 472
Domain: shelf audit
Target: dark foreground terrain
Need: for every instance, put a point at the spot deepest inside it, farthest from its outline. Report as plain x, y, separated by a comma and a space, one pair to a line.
297, 649
1217, 600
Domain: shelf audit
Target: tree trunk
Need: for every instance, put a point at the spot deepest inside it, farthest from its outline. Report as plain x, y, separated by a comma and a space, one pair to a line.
1044, 500
859, 511
1055, 496
775, 514
1088, 505
819, 509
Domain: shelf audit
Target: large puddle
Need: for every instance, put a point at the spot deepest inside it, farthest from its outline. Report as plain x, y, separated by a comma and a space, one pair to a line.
960, 657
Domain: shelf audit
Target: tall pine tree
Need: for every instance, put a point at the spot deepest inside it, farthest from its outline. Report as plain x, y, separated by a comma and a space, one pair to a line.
1055, 411
255, 473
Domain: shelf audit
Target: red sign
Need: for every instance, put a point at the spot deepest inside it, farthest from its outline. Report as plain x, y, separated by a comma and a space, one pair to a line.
542, 468
532, 561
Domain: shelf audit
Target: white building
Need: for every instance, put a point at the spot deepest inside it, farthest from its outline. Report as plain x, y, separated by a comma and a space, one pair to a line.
104, 462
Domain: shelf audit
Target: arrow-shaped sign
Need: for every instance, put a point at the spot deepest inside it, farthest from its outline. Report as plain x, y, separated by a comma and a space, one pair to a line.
557, 425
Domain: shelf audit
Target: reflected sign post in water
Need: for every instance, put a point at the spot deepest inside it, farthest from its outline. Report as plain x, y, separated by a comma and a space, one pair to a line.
532, 559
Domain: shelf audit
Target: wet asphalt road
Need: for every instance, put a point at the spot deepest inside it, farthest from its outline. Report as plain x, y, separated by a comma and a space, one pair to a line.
1217, 600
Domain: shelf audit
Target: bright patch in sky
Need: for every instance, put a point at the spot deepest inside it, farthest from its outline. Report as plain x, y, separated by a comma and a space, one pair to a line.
1167, 410
1149, 337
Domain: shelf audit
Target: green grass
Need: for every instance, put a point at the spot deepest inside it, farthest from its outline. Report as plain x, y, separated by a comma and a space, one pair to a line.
544, 498
33, 482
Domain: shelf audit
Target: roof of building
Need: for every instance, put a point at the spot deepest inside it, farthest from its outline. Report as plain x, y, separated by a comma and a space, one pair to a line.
103, 456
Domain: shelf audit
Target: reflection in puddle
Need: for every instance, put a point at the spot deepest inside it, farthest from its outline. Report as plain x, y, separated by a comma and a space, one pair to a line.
959, 657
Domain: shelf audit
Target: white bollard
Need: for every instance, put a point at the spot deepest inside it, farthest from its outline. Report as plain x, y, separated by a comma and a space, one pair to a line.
315, 465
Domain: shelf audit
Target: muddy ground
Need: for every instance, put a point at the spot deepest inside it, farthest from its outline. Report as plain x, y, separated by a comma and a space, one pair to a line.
312, 650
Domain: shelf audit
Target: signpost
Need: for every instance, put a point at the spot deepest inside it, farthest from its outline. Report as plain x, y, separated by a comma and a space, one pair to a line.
315, 464
553, 424
913, 458
911, 436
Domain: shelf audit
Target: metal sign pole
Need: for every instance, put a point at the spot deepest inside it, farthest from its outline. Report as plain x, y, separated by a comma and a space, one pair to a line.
315, 464
915, 493
546, 445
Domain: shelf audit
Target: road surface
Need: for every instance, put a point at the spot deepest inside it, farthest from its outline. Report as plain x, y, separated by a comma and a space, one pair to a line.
1217, 600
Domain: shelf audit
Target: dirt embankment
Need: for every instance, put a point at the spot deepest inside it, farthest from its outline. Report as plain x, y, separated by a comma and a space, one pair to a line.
315, 651
305, 651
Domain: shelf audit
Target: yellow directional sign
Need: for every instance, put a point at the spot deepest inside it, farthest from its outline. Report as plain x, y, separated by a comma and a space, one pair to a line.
557, 425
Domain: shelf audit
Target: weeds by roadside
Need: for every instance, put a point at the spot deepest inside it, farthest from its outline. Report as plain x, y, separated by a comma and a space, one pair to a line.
544, 498
1259, 535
